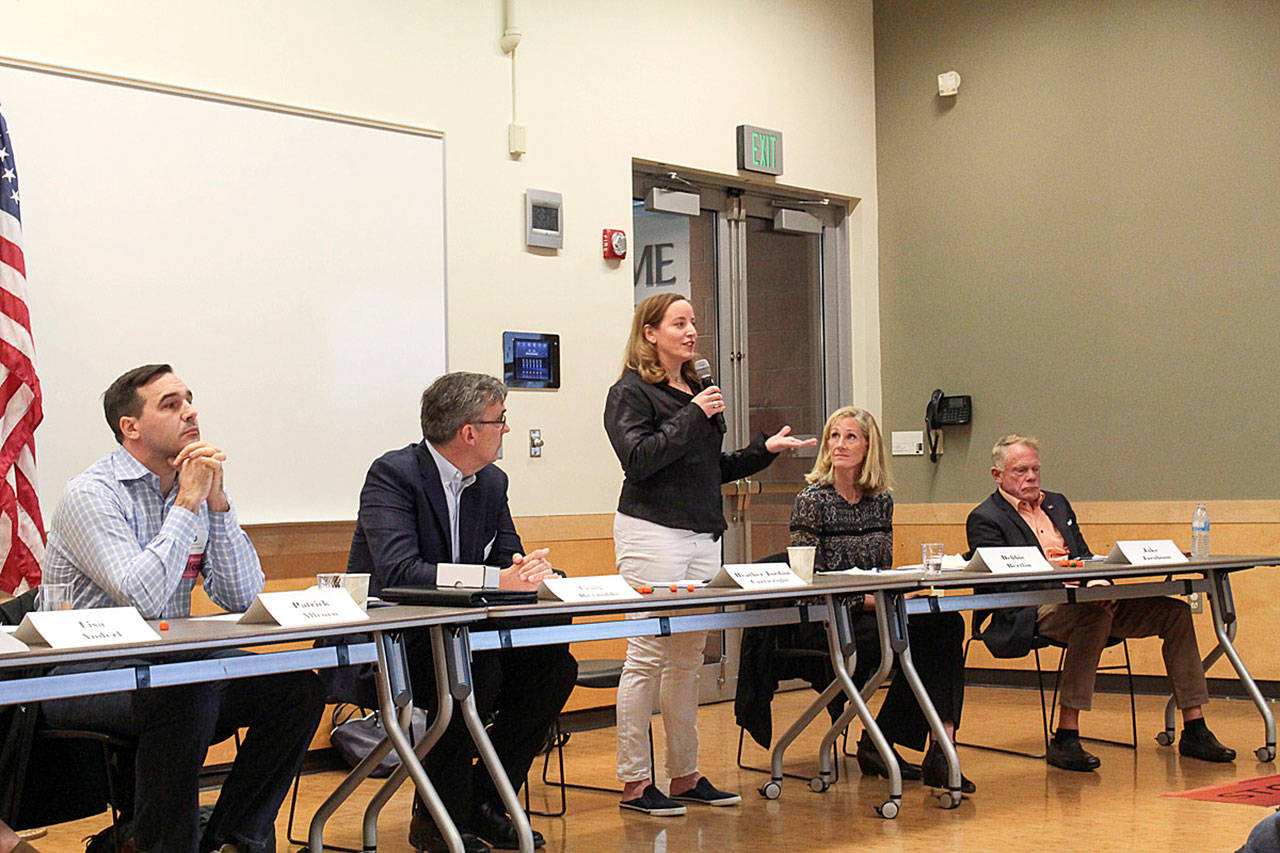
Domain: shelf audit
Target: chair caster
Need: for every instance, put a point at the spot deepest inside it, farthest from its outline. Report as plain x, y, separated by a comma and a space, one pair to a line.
819, 785
949, 799
1164, 738
771, 790
1265, 754
888, 809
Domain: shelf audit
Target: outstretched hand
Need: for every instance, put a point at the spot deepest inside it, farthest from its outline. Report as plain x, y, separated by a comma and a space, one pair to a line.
783, 440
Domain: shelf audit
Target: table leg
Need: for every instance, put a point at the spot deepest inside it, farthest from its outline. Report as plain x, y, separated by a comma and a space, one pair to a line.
869, 687
392, 671
1222, 605
408, 759
444, 713
460, 687
773, 788
895, 607
840, 644
315, 835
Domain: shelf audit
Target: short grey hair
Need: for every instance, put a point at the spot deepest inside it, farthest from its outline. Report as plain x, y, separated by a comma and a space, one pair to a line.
456, 399
1000, 452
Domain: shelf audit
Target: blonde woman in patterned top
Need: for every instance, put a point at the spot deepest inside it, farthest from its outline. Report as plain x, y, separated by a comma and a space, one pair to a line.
846, 512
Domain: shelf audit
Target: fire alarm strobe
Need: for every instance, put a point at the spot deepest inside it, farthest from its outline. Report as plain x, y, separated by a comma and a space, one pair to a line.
615, 243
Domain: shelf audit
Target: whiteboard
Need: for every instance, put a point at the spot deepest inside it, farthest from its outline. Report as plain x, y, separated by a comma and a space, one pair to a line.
290, 268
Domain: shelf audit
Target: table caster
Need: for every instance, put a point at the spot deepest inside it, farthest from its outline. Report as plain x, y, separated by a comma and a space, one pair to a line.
888, 809
949, 799
1265, 754
771, 790
1164, 738
819, 785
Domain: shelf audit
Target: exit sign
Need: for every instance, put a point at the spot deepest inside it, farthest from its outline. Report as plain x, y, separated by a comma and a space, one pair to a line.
759, 149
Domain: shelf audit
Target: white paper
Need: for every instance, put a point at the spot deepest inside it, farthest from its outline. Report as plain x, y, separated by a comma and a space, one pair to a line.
594, 588
304, 607
756, 576
898, 574
1009, 561
10, 645
1140, 552
76, 629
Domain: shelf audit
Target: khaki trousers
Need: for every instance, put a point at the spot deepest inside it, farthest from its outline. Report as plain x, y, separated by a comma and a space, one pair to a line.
1085, 629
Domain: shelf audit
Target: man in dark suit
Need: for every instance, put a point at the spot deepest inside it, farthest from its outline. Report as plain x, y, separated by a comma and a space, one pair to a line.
1020, 513
443, 501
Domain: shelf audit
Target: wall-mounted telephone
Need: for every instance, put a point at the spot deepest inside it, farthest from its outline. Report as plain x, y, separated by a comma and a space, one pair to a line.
945, 411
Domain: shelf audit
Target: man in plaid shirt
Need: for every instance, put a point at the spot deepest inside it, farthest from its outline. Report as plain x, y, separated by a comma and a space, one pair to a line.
138, 528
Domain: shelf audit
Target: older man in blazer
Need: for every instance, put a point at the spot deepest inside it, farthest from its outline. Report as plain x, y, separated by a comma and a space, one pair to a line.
1020, 513
443, 500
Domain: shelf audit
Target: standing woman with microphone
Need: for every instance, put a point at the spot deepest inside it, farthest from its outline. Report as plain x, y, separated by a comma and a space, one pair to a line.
667, 427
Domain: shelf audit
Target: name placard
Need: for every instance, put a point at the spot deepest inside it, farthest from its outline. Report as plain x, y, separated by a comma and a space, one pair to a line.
1009, 561
1141, 552
756, 576
11, 645
595, 588
82, 629
299, 608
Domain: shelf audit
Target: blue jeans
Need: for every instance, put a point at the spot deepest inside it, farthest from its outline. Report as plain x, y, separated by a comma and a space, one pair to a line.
174, 727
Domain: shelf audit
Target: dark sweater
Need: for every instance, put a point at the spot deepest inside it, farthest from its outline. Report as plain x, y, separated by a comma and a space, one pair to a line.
670, 453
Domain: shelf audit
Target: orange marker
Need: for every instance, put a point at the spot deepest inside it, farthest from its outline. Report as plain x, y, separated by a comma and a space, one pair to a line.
675, 587
692, 587
164, 626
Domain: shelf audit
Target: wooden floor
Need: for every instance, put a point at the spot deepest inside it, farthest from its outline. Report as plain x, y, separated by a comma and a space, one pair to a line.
1020, 805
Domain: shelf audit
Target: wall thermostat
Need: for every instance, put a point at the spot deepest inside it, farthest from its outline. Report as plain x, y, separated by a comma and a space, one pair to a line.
530, 360
543, 219
615, 243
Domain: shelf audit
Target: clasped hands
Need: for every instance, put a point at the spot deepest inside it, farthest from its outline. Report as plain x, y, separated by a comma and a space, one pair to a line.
199, 467
526, 571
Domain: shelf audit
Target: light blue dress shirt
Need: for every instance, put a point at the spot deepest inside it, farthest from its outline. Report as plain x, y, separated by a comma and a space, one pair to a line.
120, 542
454, 484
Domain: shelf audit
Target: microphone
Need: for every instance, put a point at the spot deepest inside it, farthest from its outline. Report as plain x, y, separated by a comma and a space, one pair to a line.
702, 367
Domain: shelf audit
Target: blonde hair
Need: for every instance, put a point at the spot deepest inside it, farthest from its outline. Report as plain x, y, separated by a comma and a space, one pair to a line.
874, 477
642, 356
1000, 453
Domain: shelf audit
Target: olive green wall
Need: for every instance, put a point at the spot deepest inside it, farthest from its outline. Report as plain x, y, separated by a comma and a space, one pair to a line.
1086, 239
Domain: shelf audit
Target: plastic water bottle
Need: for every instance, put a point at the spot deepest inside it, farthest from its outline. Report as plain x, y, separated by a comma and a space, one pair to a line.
1200, 533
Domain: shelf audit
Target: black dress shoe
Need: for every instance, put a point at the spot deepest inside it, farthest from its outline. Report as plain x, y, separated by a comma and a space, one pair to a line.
871, 764
934, 771
1201, 744
493, 825
1070, 755
423, 835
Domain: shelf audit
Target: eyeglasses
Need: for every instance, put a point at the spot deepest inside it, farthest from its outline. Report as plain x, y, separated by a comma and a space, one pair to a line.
502, 421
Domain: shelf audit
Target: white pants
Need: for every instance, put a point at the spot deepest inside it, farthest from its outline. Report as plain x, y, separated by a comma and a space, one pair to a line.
664, 669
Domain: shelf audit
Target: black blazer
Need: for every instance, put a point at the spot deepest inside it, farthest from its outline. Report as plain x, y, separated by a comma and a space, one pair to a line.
670, 453
995, 522
1011, 631
402, 530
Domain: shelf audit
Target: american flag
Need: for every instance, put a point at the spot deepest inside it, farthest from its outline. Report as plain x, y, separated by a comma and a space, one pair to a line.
21, 527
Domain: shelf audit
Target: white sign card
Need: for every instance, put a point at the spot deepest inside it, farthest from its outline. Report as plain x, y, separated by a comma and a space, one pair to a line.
756, 576
1140, 552
1009, 561
467, 576
11, 645
595, 588
300, 608
79, 629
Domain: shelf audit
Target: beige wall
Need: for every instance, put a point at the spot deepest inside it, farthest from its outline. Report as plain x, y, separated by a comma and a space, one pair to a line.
1084, 239
598, 84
